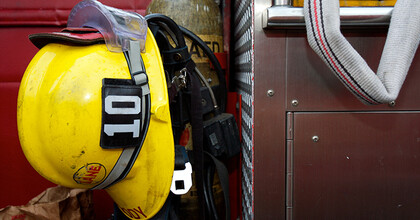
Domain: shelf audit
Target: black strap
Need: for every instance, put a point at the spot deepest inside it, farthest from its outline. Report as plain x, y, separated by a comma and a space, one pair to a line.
198, 152
181, 157
176, 56
223, 174
197, 134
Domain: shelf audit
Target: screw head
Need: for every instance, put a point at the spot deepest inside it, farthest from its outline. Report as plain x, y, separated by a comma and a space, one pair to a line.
270, 93
295, 102
315, 138
392, 103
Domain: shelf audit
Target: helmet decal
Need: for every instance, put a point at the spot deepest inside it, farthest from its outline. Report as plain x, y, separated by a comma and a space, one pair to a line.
91, 173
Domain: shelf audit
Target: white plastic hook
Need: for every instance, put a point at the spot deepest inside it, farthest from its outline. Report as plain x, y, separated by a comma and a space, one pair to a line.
184, 177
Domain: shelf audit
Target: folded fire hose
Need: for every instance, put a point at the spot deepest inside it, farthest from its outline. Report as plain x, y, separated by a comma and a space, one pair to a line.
323, 30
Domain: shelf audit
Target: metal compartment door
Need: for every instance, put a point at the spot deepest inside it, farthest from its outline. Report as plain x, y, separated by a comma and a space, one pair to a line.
356, 165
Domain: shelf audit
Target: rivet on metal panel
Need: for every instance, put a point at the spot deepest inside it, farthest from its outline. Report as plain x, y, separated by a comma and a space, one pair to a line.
295, 102
270, 93
315, 138
392, 104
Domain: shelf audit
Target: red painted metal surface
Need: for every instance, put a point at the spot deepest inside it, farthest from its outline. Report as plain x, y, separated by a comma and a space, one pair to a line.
52, 13
19, 182
233, 164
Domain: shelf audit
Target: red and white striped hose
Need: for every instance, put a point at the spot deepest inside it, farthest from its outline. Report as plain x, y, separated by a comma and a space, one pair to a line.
323, 29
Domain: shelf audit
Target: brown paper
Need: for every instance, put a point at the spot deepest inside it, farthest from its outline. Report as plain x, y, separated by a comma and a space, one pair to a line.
54, 203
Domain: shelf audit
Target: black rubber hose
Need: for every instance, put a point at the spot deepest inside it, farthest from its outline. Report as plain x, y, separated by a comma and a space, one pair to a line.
214, 61
209, 188
156, 18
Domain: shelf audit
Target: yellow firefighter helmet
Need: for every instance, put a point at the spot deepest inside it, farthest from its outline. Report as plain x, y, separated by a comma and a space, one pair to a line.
87, 118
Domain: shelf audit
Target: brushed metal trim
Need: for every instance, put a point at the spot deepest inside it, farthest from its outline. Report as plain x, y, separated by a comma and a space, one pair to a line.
282, 2
279, 16
289, 125
289, 180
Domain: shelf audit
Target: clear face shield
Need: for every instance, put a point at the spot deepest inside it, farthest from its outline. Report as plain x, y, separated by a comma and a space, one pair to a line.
117, 26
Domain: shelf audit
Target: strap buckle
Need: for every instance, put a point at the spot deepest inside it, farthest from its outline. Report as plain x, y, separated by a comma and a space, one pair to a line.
182, 180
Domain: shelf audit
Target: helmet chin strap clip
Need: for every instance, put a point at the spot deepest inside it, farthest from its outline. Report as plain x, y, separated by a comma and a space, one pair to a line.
141, 102
136, 65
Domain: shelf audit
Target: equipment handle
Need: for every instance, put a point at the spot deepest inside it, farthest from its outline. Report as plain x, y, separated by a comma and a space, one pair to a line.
286, 16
